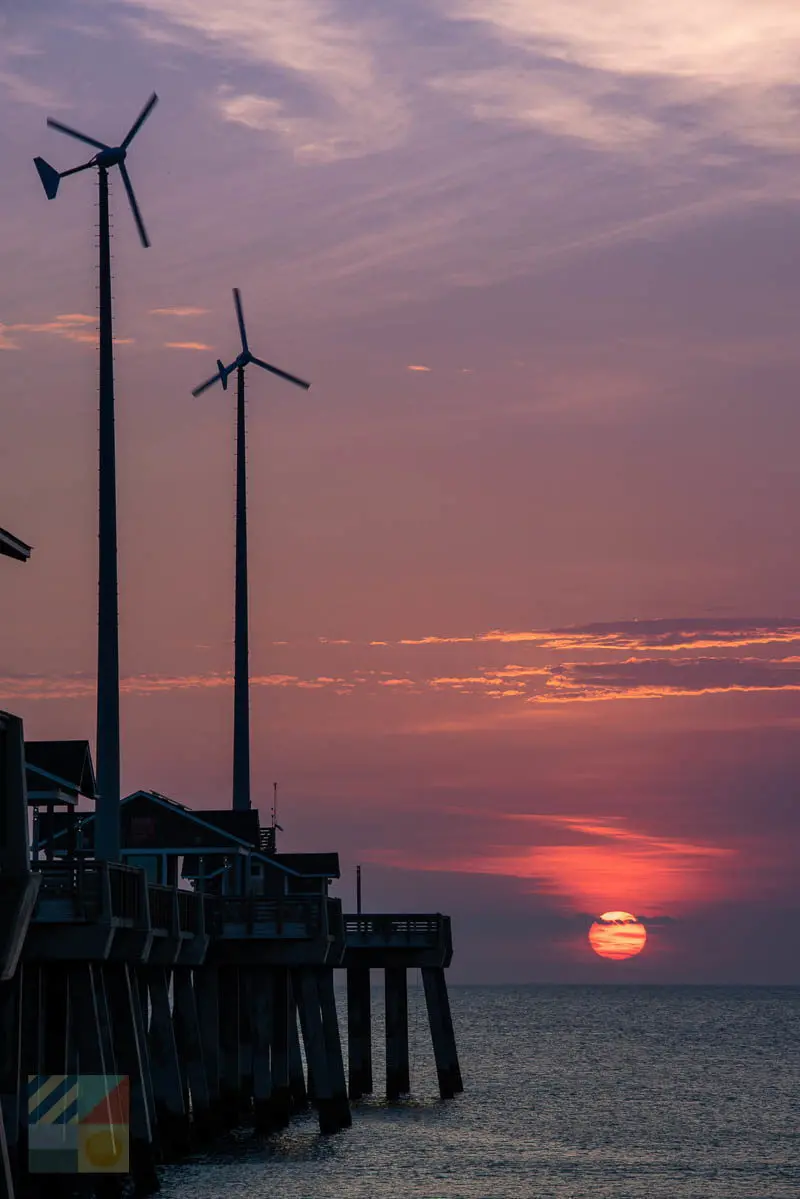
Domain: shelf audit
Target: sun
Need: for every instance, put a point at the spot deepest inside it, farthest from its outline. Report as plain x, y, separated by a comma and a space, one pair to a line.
617, 935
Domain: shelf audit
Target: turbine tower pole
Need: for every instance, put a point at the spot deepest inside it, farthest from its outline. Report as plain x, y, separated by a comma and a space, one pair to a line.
107, 844
241, 679
241, 672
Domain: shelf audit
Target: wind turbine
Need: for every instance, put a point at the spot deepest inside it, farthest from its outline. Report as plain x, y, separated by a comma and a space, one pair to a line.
241, 677
107, 833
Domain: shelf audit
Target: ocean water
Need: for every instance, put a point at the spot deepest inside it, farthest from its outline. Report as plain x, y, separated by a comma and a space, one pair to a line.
570, 1092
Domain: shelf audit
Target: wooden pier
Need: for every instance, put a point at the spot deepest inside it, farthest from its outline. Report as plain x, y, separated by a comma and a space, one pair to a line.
215, 998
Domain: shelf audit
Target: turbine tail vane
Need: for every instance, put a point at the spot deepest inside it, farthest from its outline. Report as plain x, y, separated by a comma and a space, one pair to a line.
49, 176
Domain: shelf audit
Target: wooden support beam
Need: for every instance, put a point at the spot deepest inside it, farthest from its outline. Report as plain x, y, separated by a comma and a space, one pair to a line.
442, 1034
333, 1046
316, 1054
171, 1114
128, 1054
206, 986
230, 1057
359, 1031
281, 1093
90, 1030
297, 1080
262, 1019
190, 1048
396, 999
245, 1041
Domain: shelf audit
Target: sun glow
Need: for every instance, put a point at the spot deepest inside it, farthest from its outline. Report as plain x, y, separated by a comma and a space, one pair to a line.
617, 935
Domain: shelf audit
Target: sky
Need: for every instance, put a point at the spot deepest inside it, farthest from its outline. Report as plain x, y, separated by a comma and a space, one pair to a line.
525, 639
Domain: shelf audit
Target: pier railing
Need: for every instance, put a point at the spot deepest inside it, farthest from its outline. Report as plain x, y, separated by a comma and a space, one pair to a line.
163, 908
283, 919
80, 891
406, 934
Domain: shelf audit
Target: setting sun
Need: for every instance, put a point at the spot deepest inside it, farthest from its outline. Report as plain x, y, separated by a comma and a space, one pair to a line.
617, 935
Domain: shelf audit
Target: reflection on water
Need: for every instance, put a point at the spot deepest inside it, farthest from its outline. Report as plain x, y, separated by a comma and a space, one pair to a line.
571, 1092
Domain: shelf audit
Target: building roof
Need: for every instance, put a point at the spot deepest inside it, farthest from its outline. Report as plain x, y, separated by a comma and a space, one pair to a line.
312, 865
242, 824
12, 547
53, 767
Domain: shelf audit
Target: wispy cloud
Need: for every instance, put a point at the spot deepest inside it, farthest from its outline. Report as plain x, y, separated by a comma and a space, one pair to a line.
186, 345
593, 864
337, 104
70, 326
564, 683
655, 678
615, 74
662, 634
186, 310
415, 367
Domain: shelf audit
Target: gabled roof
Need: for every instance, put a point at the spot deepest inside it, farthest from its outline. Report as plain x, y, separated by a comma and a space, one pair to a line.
65, 767
12, 547
311, 865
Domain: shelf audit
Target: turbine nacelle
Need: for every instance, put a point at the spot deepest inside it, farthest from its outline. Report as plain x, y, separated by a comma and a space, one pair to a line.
113, 156
107, 156
244, 358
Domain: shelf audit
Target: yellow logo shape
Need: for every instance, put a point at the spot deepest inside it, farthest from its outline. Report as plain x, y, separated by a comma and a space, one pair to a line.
103, 1149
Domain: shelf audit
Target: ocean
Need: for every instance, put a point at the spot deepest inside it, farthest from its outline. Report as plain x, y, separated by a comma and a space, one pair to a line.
571, 1092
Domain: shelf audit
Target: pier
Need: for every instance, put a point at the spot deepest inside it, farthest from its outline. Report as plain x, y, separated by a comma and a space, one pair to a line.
200, 966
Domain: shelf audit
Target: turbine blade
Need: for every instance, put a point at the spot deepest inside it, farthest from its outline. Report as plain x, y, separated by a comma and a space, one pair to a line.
281, 374
208, 383
49, 176
237, 299
137, 216
140, 120
82, 137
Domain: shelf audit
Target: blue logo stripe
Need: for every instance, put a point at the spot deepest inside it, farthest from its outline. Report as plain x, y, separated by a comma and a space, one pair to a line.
38, 1112
69, 1114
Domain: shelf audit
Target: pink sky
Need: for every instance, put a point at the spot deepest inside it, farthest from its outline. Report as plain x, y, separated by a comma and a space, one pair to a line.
524, 624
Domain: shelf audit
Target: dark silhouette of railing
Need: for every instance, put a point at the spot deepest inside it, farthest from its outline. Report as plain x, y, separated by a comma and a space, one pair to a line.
254, 916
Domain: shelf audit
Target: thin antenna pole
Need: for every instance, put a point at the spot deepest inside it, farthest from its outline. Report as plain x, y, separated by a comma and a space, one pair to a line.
274, 804
358, 890
241, 679
107, 841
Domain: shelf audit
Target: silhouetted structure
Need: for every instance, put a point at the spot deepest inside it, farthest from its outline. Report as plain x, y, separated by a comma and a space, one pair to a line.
12, 547
202, 995
108, 764
241, 676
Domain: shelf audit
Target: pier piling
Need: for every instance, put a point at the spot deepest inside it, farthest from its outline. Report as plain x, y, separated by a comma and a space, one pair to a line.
316, 1051
333, 1047
190, 1048
359, 1032
128, 1055
171, 1115
442, 1035
297, 1081
261, 995
281, 1102
230, 1055
398, 1081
